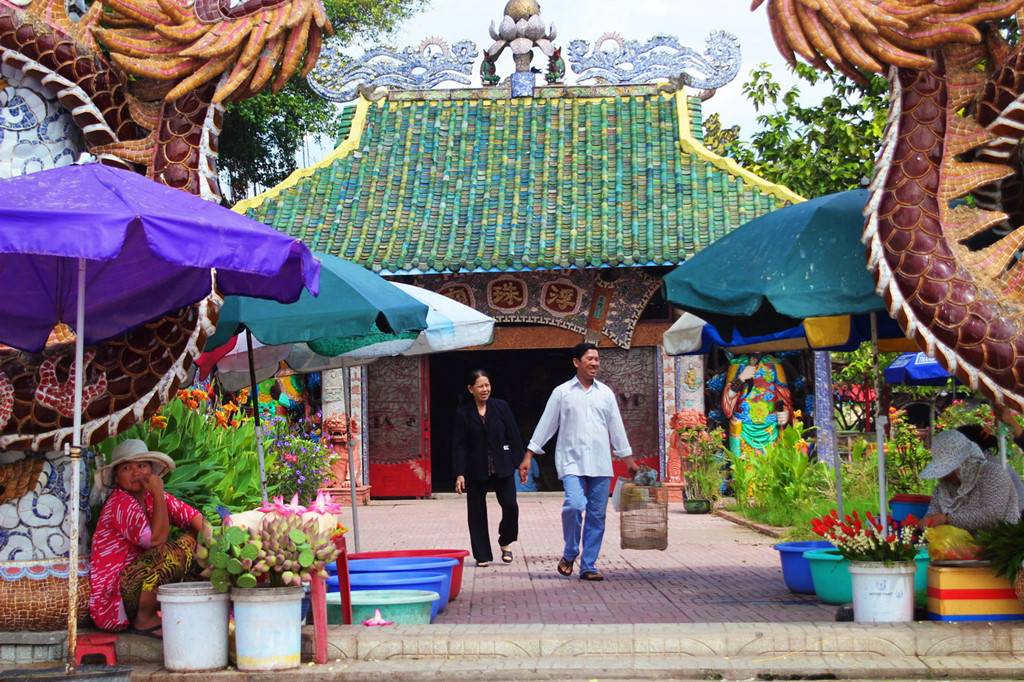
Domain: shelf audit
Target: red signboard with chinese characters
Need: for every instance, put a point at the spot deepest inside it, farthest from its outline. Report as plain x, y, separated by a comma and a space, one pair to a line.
560, 297
506, 294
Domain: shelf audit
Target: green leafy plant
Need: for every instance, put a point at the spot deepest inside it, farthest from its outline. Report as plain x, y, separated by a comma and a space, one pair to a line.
702, 453
1003, 545
213, 448
785, 474
905, 456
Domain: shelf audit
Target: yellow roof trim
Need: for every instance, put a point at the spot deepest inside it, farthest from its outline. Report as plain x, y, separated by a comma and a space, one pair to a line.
348, 145
690, 145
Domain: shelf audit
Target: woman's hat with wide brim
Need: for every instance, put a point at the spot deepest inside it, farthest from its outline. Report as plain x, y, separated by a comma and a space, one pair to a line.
133, 450
950, 449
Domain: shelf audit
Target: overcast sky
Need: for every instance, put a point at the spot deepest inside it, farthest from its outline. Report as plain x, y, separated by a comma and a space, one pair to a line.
689, 20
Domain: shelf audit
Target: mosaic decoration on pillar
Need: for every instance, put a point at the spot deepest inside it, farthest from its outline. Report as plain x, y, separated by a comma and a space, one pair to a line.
825, 431
34, 523
553, 298
943, 220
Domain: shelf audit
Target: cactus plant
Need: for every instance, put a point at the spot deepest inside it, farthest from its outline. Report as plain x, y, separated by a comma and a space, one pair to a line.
287, 549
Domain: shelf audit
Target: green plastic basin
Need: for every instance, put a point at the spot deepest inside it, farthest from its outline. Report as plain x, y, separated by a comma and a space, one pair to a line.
830, 573
402, 607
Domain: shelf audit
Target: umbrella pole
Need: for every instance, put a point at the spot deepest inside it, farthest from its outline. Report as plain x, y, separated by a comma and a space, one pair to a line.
351, 459
75, 452
880, 422
254, 390
1001, 439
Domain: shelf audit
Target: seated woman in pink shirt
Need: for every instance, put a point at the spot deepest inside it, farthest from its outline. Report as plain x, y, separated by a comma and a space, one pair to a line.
131, 556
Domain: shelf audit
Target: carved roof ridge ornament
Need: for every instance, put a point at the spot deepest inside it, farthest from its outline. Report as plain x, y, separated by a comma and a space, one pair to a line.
340, 79
660, 58
521, 29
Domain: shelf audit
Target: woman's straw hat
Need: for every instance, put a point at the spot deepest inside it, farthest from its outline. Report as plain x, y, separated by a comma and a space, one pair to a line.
133, 450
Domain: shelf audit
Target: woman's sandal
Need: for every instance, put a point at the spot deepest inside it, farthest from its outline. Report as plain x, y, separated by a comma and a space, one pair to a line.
483, 564
506, 556
593, 576
565, 566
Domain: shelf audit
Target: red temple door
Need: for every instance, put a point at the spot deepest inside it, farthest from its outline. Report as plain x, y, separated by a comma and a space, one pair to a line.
397, 427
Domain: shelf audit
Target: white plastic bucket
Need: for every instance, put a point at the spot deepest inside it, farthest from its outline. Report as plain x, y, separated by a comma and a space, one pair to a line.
195, 625
881, 593
268, 627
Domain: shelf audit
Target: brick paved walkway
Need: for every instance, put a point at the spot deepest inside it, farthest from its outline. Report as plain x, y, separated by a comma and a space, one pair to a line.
713, 570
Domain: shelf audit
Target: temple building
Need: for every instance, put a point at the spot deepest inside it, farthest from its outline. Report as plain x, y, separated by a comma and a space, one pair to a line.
554, 207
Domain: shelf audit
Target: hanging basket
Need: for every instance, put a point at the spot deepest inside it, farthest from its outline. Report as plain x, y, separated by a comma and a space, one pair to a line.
643, 517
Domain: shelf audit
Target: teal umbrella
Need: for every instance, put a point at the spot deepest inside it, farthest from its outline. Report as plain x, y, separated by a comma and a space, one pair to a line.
353, 302
805, 260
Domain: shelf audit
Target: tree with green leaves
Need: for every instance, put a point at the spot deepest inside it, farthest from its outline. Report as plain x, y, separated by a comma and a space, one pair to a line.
813, 149
261, 136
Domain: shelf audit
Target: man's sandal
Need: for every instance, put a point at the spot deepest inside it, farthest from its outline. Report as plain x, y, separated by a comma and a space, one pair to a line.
565, 566
591, 576
506, 556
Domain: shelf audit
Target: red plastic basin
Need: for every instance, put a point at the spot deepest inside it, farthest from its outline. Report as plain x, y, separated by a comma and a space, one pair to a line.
459, 554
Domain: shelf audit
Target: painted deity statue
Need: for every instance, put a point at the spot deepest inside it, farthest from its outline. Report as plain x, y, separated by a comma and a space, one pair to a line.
338, 428
757, 402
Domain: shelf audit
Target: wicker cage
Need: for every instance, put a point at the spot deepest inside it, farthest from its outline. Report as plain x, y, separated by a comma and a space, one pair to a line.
643, 513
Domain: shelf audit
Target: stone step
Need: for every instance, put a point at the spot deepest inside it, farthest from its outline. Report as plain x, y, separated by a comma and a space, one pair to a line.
729, 651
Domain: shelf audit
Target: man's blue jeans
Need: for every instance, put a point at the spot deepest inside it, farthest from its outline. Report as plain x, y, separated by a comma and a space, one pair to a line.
590, 494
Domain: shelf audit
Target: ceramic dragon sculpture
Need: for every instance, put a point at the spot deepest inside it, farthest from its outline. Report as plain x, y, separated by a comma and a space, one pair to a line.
944, 223
140, 84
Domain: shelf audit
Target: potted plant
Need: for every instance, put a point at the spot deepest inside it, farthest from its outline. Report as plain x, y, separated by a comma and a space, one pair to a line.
1002, 545
881, 563
263, 557
703, 456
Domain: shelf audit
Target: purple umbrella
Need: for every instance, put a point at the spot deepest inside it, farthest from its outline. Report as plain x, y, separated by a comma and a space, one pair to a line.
106, 250
151, 248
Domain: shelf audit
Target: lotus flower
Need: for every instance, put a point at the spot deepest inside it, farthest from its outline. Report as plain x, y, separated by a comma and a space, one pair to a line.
377, 619
277, 506
324, 504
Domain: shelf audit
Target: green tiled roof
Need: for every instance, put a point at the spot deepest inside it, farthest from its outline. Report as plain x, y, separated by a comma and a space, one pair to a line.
471, 180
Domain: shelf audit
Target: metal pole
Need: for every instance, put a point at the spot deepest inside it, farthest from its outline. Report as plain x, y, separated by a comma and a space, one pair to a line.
351, 459
255, 390
75, 456
880, 422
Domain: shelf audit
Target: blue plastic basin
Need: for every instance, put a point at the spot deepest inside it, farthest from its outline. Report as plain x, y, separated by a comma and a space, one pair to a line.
401, 564
900, 510
432, 581
796, 570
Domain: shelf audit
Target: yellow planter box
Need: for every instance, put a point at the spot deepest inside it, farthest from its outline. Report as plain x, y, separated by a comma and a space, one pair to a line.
961, 593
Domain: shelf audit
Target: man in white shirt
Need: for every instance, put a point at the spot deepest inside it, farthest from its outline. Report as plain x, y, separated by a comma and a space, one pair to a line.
585, 413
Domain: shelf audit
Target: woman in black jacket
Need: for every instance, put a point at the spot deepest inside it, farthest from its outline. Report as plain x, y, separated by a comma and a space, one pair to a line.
486, 452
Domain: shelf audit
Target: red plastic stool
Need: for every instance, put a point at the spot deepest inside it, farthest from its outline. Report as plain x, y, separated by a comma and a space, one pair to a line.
101, 643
